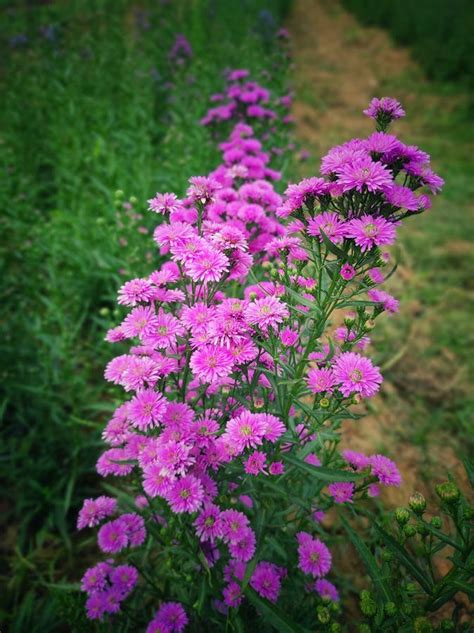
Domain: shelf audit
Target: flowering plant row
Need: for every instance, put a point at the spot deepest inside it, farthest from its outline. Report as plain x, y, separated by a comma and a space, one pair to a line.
225, 452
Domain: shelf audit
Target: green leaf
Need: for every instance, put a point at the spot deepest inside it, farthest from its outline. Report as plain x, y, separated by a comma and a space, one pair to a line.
332, 248
370, 563
406, 560
321, 472
272, 614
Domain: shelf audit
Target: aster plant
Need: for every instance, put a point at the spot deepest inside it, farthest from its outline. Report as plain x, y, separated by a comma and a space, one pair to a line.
248, 351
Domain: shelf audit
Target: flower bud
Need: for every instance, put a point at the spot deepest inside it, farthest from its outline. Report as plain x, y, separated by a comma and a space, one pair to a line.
356, 398
119, 194
335, 628
417, 503
390, 608
402, 516
266, 265
410, 587
324, 403
323, 615
104, 311
436, 523
387, 556
368, 606
409, 531
133, 200
448, 492
252, 296
349, 321
422, 625
369, 325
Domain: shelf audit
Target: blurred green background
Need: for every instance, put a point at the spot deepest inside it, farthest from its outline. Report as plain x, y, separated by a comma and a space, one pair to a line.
96, 97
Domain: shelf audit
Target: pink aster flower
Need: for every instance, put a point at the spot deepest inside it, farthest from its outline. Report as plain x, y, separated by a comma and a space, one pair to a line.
376, 275
247, 430
112, 537
207, 265
170, 618
400, 196
347, 272
386, 107
243, 549
358, 460
355, 374
274, 427
210, 363
234, 524
326, 590
320, 380
368, 232
289, 337
135, 291
389, 303
314, 556
185, 494
330, 224
140, 322
266, 580
364, 173
386, 470
209, 524
147, 409
276, 468
255, 463
167, 328
165, 203
95, 578
266, 313
94, 511
232, 594
342, 491
202, 189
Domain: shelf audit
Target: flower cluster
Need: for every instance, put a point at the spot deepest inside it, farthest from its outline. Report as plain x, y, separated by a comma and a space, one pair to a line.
233, 376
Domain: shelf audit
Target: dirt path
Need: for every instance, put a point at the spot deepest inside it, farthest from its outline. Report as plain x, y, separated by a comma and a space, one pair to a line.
339, 67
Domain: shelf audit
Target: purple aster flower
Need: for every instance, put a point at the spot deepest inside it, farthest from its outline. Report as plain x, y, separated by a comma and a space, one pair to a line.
341, 491
364, 173
368, 232
266, 580
328, 223
386, 108
402, 197
320, 380
355, 374
185, 494
389, 303
326, 590
386, 470
314, 556
209, 524
165, 203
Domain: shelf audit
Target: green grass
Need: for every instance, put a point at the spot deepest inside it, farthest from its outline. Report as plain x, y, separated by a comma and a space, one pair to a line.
100, 107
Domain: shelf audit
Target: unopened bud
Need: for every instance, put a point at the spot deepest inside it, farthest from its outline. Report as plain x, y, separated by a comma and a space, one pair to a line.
369, 325
252, 296
266, 265
335, 628
368, 606
409, 531
390, 608
323, 615
387, 556
356, 398
448, 492
349, 321
402, 516
119, 194
324, 403
417, 503
133, 200
104, 312
436, 523
411, 587
422, 625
